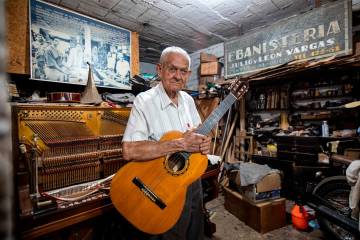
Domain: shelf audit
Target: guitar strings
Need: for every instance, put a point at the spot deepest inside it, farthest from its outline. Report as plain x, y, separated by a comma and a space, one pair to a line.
209, 123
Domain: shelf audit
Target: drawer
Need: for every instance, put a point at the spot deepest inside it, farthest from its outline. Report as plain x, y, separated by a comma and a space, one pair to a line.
289, 140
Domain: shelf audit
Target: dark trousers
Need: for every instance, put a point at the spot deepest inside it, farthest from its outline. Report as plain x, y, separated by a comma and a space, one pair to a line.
190, 225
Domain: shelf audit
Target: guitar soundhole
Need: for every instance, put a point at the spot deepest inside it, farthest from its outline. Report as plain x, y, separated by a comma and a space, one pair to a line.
176, 163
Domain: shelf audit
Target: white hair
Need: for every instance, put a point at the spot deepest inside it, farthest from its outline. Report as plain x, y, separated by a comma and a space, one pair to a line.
174, 49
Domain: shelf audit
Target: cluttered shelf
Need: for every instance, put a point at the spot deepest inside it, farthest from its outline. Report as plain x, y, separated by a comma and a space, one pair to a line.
269, 110
329, 89
306, 119
297, 104
305, 99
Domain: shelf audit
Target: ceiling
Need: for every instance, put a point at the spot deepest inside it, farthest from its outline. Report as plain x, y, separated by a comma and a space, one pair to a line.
190, 24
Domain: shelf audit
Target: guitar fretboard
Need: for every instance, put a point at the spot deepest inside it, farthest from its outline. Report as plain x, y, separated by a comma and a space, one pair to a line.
216, 115
214, 118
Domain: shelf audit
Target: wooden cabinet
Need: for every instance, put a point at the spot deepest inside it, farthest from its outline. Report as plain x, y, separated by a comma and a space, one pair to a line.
301, 150
270, 98
316, 100
307, 98
315, 94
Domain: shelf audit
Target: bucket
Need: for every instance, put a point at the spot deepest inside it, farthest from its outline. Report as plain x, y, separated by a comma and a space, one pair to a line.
299, 217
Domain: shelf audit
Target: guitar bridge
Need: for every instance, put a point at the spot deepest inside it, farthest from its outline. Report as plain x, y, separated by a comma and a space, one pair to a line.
148, 193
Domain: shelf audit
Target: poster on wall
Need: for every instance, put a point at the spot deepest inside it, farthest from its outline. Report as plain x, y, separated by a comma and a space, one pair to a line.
62, 42
319, 33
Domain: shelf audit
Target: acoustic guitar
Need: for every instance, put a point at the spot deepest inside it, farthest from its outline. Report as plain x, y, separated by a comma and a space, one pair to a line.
151, 194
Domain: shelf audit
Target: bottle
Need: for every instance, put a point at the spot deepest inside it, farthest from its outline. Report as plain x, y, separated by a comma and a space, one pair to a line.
261, 102
325, 129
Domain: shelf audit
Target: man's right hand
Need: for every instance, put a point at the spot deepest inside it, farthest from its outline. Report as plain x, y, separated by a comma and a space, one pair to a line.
191, 141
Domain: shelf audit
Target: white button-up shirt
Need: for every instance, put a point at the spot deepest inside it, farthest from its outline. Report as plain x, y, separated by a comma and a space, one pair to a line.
153, 114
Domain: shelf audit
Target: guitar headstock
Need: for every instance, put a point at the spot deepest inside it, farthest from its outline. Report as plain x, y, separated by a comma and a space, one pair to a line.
239, 87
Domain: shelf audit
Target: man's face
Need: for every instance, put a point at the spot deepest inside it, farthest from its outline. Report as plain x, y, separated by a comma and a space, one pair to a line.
40, 38
174, 73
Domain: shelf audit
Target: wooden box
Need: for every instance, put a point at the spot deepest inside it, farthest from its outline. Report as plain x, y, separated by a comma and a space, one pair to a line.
210, 68
205, 57
263, 217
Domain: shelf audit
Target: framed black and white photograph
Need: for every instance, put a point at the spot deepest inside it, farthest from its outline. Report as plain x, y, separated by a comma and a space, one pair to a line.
63, 41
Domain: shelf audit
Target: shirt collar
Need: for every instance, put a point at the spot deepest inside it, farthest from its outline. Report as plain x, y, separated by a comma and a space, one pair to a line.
164, 98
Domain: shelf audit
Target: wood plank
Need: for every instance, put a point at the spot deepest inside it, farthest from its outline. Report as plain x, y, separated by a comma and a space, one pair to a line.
135, 62
17, 36
65, 222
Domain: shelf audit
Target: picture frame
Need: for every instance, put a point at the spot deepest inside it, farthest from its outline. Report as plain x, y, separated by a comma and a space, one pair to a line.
63, 41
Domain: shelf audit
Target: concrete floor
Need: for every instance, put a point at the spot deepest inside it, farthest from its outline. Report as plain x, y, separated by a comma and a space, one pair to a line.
229, 227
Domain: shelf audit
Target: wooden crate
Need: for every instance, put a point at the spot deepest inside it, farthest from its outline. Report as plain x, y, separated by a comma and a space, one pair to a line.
263, 217
210, 68
205, 57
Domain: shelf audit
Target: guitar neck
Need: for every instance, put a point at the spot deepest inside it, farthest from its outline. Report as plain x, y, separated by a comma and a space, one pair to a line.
216, 115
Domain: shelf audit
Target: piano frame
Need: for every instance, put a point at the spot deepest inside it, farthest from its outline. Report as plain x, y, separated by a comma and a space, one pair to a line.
31, 221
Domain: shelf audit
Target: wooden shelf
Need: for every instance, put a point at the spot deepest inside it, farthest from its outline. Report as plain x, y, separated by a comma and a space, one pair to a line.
269, 110
321, 98
311, 110
325, 86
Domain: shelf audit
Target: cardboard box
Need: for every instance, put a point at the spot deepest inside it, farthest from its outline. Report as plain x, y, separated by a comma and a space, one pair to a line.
210, 68
269, 182
253, 195
268, 188
205, 57
263, 217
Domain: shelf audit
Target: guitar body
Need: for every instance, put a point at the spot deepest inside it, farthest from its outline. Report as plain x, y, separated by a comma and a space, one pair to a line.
158, 211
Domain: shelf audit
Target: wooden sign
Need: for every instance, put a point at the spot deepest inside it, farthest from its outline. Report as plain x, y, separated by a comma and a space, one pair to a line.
321, 32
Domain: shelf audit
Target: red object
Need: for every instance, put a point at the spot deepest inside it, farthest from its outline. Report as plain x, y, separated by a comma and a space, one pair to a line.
300, 217
65, 97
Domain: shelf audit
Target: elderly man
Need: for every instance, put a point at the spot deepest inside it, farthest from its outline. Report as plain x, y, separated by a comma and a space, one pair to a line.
162, 109
55, 70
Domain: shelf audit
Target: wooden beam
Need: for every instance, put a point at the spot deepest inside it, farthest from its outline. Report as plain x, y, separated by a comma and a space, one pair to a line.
242, 123
135, 60
17, 36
